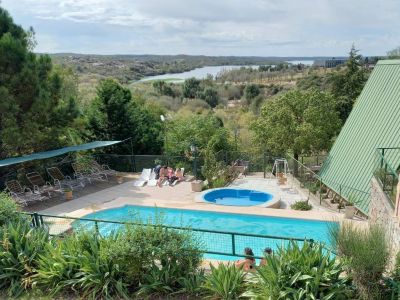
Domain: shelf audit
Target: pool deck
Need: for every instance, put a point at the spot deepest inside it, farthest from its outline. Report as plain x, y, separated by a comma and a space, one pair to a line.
179, 196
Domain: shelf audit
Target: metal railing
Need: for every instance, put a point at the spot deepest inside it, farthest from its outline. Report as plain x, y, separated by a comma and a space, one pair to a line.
220, 243
386, 171
310, 179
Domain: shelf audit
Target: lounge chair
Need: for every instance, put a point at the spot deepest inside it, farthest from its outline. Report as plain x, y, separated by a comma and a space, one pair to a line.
152, 179
40, 186
82, 171
144, 177
22, 195
62, 181
103, 169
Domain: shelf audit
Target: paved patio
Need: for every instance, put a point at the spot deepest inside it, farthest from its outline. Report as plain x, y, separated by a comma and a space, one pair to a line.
110, 195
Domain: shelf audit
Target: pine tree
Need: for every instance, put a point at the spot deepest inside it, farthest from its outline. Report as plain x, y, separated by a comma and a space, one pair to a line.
34, 115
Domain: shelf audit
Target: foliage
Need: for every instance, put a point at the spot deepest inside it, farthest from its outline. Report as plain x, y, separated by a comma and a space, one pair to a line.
367, 251
347, 84
113, 115
20, 247
251, 91
301, 205
301, 272
298, 121
213, 170
199, 130
9, 209
224, 282
163, 88
35, 113
210, 95
394, 53
191, 88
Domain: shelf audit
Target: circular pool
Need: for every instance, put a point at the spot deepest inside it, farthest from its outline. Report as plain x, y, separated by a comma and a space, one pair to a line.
236, 197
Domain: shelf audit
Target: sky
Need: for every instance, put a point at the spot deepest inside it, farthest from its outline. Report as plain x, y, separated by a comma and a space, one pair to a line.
211, 27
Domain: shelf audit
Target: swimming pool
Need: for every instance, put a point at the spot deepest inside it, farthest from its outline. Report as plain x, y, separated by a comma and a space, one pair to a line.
216, 221
236, 197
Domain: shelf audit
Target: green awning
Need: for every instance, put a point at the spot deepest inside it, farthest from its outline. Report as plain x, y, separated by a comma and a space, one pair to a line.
57, 152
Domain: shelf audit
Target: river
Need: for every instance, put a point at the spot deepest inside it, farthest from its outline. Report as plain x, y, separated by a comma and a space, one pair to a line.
201, 73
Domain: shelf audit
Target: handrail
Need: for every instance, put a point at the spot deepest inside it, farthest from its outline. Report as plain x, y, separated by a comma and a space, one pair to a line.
382, 157
170, 227
37, 221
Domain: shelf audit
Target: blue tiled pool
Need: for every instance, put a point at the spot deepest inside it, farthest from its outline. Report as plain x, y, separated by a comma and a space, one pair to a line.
215, 221
237, 197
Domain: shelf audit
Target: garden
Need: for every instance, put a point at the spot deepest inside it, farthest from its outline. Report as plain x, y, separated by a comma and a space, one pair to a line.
151, 262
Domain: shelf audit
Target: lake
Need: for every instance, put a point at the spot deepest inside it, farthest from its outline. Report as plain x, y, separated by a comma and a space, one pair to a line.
201, 73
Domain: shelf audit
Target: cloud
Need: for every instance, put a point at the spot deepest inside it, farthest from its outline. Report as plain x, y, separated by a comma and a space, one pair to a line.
213, 27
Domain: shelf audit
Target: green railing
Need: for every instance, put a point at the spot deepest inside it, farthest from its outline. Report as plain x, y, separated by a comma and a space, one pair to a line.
387, 172
221, 243
309, 179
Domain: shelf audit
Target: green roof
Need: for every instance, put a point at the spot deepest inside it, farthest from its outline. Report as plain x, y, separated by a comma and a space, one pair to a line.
374, 122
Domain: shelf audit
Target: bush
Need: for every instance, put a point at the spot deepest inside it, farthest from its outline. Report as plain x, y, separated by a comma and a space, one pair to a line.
307, 272
148, 259
20, 248
301, 205
9, 209
367, 251
225, 282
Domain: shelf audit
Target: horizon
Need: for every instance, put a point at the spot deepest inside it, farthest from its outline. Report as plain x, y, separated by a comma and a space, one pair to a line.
260, 28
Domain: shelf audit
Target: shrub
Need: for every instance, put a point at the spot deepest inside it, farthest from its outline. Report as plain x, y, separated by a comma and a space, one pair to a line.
307, 272
301, 205
9, 209
224, 282
20, 247
367, 251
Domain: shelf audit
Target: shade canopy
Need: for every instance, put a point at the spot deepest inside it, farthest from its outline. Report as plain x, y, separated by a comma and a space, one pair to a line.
57, 152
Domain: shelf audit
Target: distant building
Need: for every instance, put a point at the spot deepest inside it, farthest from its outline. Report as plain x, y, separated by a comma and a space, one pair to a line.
330, 63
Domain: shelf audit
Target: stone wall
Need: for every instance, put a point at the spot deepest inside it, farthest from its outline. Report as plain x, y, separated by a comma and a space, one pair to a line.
381, 212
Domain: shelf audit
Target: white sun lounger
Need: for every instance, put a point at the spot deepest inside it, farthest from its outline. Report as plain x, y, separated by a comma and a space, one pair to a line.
152, 180
144, 177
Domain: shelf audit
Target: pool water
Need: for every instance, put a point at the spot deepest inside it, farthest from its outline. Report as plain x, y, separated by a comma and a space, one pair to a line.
237, 197
215, 221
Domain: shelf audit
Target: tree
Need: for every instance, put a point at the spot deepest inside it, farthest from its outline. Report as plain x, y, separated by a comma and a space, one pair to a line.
35, 113
299, 122
210, 95
347, 85
163, 88
199, 130
251, 91
113, 115
191, 88
395, 53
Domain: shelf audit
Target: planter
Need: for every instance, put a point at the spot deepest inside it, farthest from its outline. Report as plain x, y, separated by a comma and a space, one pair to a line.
197, 185
349, 212
68, 195
120, 179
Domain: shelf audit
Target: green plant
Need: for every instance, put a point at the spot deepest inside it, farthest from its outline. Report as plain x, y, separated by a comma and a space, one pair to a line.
191, 283
301, 205
300, 272
20, 248
367, 252
9, 209
224, 282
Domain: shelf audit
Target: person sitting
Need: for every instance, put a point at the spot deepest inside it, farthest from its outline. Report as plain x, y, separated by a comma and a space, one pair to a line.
179, 174
248, 263
162, 175
171, 177
267, 251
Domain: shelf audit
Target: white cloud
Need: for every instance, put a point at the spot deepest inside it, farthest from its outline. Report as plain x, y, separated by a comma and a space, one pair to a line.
221, 27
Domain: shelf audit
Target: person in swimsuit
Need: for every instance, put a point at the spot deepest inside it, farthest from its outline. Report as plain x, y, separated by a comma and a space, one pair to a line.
248, 263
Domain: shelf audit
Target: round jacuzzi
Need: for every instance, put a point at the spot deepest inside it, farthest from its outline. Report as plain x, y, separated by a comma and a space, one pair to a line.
237, 197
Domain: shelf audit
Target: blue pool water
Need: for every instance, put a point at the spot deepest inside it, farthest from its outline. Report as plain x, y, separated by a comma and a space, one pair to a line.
217, 242
237, 197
